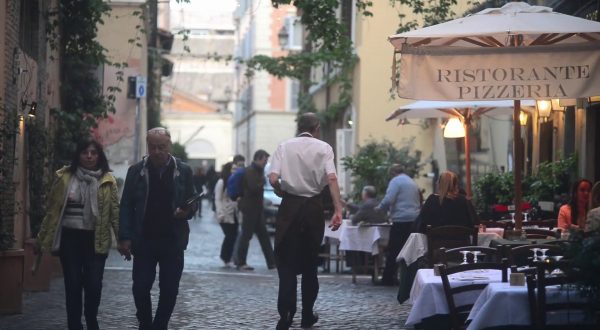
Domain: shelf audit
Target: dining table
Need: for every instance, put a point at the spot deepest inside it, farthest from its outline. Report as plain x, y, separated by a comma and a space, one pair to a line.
501, 304
427, 293
415, 248
369, 238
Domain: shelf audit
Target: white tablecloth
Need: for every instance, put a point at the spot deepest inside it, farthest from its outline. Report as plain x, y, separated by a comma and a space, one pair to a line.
416, 245
427, 292
357, 238
500, 304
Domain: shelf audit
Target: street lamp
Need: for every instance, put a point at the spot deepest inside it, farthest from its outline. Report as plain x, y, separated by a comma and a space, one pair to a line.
523, 118
284, 37
544, 107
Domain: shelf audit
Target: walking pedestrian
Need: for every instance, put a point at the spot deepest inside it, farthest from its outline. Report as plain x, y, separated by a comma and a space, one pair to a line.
251, 206
83, 206
305, 166
199, 183
154, 227
403, 201
226, 214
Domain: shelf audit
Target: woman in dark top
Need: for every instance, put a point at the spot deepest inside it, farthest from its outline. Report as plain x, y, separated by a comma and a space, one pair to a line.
446, 208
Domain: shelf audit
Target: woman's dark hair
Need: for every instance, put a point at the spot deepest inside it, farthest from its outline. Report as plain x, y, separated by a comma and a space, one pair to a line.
573, 202
226, 173
84, 144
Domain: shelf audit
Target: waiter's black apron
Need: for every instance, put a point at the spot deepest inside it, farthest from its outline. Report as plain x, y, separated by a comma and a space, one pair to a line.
299, 232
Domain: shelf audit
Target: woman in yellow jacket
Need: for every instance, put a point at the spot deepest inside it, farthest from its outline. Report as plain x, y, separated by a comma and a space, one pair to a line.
82, 207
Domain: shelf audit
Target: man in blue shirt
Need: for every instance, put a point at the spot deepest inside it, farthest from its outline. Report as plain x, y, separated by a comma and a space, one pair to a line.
403, 202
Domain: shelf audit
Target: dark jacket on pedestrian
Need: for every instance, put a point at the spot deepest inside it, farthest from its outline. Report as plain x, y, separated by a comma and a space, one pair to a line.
135, 196
365, 212
253, 184
457, 211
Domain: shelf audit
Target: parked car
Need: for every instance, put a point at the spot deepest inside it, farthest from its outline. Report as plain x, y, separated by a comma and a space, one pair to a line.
271, 203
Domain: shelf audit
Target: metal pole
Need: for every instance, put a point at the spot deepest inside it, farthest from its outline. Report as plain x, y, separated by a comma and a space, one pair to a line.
136, 143
518, 159
468, 152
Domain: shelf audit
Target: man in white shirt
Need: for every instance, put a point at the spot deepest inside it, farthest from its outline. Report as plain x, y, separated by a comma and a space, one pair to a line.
305, 166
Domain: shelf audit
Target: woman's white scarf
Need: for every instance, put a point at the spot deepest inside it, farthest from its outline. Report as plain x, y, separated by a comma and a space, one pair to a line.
88, 186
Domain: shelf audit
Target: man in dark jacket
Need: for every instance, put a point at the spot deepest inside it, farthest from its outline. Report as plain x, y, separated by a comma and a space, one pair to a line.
154, 227
365, 210
251, 206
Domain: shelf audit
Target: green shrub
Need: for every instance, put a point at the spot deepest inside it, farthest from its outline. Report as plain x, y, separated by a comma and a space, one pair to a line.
370, 164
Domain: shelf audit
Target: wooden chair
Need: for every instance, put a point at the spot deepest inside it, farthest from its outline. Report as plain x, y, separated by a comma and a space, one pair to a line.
494, 224
522, 255
448, 237
454, 257
540, 308
541, 233
458, 314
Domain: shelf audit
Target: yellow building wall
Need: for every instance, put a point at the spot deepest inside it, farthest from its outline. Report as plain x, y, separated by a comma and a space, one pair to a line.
372, 83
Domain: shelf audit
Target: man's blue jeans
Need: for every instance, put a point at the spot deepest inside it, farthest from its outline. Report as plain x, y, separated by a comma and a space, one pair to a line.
170, 262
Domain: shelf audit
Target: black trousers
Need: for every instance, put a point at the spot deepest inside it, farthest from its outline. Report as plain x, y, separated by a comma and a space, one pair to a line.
398, 236
170, 261
288, 282
83, 270
231, 232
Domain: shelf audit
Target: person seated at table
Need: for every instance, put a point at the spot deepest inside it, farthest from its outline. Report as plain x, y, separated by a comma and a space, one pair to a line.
573, 215
364, 211
448, 207
593, 216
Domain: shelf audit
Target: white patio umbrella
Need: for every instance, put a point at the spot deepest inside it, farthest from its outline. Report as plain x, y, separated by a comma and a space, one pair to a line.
464, 110
511, 53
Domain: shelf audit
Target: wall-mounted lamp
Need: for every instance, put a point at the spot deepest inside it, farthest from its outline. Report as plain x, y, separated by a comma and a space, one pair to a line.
544, 107
32, 108
284, 37
454, 128
523, 118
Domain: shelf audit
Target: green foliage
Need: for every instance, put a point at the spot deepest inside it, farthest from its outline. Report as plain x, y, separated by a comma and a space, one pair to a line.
40, 145
430, 12
552, 179
584, 251
8, 132
72, 28
549, 182
370, 164
328, 44
178, 151
493, 188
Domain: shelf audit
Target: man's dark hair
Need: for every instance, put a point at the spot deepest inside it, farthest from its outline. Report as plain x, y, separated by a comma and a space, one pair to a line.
84, 144
260, 154
308, 122
239, 158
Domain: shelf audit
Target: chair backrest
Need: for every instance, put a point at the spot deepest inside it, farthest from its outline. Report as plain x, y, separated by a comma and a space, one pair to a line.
546, 223
455, 257
448, 237
542, 233
523, 255
573, 303
459, 313
494, 224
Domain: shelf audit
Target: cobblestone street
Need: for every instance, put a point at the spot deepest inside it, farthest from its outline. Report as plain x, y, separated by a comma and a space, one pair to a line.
212, 297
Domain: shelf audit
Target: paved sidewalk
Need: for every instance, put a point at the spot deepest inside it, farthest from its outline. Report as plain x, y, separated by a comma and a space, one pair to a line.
211, 297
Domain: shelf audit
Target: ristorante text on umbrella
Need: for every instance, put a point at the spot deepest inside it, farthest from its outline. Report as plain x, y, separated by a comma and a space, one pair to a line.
515, 82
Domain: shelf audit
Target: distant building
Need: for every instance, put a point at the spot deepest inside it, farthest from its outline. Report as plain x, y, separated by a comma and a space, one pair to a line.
265, 106
118, 133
